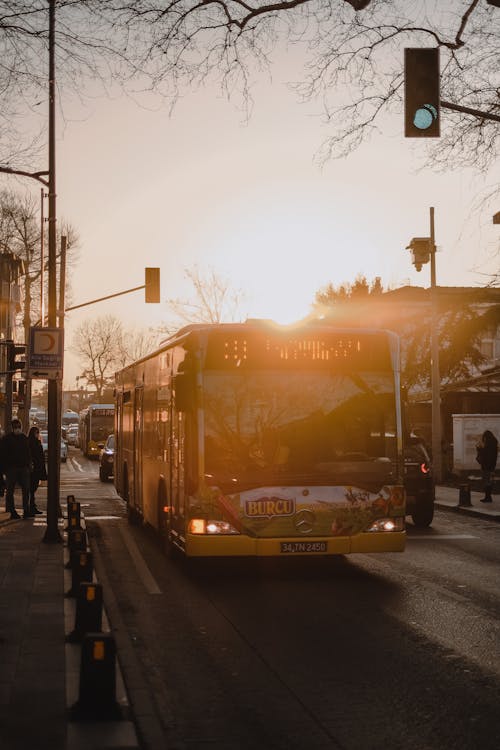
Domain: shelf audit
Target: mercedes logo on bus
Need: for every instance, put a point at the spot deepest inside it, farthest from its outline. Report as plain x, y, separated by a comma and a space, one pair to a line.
304, 521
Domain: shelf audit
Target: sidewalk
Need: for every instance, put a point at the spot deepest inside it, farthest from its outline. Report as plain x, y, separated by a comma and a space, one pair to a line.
39, 676
40, 672
448, 498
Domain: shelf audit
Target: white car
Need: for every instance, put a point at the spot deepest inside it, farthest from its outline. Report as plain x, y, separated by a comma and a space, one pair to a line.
72, 435
64, 446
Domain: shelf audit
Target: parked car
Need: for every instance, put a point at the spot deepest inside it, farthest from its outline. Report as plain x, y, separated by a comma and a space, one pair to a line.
106, 460
419, 483
45, 442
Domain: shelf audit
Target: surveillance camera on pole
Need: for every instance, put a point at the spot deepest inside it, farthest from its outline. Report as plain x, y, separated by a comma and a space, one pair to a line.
420, 248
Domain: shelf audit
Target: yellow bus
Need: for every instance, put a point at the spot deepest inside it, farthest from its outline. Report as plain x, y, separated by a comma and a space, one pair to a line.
95, 424
253, 439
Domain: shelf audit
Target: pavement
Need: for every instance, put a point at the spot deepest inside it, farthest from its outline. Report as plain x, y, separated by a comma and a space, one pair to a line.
43, 703
40, 672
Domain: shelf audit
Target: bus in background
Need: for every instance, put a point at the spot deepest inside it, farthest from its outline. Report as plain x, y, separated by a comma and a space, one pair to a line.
254, 439
96, 423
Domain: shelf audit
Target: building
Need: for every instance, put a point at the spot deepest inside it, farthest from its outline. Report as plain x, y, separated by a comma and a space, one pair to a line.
472, 386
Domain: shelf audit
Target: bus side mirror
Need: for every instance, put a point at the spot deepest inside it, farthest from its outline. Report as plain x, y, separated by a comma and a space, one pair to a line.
183, 392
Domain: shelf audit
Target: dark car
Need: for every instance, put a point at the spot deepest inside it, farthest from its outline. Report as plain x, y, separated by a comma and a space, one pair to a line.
419, 483
106, 460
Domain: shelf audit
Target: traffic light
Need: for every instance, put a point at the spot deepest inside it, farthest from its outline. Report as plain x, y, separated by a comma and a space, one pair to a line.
13, 351
152, 285
422, 97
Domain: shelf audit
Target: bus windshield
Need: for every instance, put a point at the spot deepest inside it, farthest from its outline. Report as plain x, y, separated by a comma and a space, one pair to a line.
296, 427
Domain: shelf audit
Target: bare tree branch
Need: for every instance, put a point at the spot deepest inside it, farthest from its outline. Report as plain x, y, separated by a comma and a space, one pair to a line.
34, 175
354, 59
213, 301
353, 50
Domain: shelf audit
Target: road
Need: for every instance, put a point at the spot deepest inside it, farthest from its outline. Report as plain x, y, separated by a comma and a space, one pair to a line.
382, 651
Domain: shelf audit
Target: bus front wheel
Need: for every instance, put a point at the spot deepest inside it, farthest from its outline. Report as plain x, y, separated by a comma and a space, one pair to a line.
423, 512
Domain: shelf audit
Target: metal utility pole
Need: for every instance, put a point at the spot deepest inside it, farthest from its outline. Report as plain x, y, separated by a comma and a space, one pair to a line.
435, 377
423, 250
43, 195
52, 534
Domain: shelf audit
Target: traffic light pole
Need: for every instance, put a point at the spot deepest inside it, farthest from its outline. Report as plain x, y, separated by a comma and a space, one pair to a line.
151, 290
435, 377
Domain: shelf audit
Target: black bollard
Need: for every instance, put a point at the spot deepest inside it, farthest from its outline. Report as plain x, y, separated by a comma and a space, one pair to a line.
77, 542
77, 539
82, 571
464, 496
97, 696
88, 616
74, 516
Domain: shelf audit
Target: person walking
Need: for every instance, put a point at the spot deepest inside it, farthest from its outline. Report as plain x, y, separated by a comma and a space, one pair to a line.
15, 463
487, 454
38, 469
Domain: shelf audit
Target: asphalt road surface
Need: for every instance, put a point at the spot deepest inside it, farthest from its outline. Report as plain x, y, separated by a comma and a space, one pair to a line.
385, 651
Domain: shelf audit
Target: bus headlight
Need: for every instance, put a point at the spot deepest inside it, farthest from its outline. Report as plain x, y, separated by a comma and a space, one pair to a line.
388, 524
202, 526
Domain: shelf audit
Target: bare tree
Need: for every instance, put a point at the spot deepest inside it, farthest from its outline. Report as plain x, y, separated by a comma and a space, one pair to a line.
103, 348
84, 57
98, 344
20, 233
213, 301
136, 344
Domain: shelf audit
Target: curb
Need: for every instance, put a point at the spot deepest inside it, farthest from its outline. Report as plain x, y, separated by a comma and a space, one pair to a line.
470, 511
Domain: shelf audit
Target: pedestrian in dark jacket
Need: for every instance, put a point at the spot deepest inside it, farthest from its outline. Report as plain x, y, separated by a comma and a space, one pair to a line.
38, 469
487, 453
15, 463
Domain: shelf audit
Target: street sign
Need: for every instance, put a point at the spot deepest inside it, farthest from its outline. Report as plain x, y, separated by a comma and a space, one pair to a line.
46, 350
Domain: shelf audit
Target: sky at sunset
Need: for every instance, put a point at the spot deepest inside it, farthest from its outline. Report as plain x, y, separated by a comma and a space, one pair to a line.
248, 199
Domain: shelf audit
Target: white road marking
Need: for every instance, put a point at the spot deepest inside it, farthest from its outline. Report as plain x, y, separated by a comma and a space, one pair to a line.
77, 464
440, 536
142, 569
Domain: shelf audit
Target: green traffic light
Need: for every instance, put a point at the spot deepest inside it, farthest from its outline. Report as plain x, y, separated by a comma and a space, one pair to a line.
425, 116
421, 96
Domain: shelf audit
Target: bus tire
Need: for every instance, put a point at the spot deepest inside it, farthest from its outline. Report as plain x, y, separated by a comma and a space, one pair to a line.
423, 512
133, 516
169, 548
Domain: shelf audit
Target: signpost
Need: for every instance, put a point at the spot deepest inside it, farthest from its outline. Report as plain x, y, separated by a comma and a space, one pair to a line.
45, 354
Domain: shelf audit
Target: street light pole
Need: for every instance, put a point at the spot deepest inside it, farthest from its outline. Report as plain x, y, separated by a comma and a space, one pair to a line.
435, 377
52, 534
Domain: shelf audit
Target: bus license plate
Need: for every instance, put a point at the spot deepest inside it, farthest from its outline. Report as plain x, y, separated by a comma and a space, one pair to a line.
303, 547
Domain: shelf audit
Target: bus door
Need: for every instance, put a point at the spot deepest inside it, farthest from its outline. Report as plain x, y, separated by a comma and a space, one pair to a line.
138, 433
177, 468
119, 443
